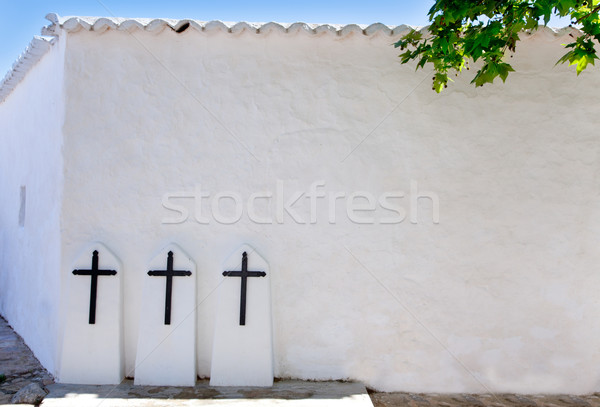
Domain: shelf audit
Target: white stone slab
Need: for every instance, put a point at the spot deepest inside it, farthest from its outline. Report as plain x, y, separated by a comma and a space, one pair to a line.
166, 354
285, 393
93, 353
243, 355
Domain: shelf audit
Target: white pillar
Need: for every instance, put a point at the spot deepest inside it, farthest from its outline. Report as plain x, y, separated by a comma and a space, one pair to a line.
166, 354
92, 353
243, 354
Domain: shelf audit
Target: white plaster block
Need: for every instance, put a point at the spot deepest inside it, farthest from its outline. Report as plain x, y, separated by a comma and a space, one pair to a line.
243, 354
93, 353
166, 354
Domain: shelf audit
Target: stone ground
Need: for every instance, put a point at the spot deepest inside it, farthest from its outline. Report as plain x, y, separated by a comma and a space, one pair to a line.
20, 367
18, 364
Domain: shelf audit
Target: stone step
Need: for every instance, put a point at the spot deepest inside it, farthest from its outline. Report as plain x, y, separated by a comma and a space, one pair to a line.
285, 393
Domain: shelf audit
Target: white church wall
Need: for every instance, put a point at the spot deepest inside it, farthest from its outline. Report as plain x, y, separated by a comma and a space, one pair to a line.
31, 182
498, 294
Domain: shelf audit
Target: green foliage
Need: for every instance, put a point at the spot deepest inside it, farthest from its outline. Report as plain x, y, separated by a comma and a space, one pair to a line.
2, 377
486, 30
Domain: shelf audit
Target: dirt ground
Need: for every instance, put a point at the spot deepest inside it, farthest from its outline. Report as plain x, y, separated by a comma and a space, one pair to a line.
482, 400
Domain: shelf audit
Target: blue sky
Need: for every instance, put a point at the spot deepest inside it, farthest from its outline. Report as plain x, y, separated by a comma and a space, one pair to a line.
21, 20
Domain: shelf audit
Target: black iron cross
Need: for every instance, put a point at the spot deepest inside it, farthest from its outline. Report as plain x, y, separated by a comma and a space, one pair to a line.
169, 273
244, 274
94, 272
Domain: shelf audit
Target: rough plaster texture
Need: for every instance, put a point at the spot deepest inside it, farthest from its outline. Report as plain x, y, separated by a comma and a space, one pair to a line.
93, 353
31, 121
243, 354
499, 295
166, 354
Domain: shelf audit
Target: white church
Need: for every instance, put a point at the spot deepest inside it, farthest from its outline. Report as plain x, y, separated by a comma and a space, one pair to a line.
244, 202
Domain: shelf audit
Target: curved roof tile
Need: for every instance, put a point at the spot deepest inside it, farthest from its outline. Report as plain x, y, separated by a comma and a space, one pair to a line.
36, 49
40, 45
73, 24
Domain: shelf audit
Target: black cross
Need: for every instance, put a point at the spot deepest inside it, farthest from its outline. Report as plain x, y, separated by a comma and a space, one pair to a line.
94, 272
169, 273
244, 274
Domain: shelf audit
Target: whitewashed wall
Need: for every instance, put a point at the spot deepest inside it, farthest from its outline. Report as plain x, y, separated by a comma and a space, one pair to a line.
500, 295
31, 120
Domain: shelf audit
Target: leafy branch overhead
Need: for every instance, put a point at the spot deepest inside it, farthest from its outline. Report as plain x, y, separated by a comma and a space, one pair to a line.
473, 30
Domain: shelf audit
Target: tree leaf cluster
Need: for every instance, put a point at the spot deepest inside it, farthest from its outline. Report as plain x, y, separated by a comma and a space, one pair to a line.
464, 31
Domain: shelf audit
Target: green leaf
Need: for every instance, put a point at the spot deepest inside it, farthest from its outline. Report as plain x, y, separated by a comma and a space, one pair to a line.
440, 81
503, 70
484, 30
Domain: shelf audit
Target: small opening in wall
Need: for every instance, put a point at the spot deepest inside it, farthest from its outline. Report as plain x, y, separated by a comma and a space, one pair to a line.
183, 27
22, 206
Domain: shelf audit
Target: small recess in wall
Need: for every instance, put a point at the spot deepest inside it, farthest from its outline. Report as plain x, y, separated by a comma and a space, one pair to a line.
182, 28
22, 207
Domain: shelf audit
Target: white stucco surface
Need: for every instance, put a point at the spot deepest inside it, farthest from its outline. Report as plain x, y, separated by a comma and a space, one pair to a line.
93, 353
472, 266
166, 353
31, 119
243, 354
499, 295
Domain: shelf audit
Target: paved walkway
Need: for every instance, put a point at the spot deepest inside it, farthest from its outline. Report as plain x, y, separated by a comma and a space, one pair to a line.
482, 400
20, 367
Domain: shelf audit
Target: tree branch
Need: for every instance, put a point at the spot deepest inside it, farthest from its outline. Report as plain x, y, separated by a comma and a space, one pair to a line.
595, 10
